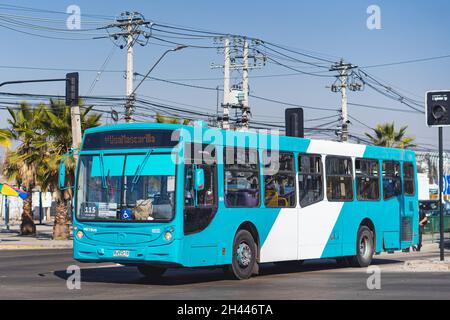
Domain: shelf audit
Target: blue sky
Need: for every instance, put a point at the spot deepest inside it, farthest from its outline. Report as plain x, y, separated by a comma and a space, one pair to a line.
331, 29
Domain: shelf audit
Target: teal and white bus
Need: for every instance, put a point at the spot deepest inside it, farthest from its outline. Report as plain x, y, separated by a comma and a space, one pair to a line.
159, 196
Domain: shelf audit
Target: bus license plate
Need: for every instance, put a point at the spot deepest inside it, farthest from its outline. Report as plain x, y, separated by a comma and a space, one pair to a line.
121, 253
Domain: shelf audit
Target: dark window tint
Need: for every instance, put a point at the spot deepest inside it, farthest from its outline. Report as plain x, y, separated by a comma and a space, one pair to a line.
367, 179
199, 206
310, 179
339, 179
392, 185
408, 178
279, 179
241, 177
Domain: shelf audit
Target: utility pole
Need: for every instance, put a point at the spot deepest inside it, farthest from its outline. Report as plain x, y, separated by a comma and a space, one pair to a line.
226, 85
130, 98
245, 88
131, 25
343, 69
72, 89
239, 60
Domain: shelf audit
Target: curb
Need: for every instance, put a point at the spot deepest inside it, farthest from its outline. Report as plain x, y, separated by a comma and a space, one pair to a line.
34, 246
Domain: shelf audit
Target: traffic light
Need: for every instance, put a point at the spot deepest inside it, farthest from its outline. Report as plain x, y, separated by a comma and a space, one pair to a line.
72, 89
437, 111
294, 122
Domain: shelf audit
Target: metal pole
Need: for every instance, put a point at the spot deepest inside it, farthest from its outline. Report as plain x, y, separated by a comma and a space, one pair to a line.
441, 187
245, 105
154, 66
226, 85
217, 105
6, 213
40, 207
76, 127
344, 136
129, 104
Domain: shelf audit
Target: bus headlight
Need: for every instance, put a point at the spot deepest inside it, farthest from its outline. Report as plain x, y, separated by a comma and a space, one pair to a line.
80, 234
168, 236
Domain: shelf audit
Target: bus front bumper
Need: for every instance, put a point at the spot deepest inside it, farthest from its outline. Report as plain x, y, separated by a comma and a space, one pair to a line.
143, 254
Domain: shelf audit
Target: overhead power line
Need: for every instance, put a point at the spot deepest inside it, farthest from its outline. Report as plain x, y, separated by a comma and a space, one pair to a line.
407, 62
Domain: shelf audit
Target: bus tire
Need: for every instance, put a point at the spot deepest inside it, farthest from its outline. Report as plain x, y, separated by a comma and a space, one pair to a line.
151, 272
364, 248
244, 255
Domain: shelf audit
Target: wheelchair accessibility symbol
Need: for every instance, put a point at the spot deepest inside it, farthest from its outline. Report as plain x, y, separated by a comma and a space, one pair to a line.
126, 214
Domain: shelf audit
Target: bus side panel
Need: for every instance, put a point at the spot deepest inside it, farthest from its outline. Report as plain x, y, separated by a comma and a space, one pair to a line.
319, 230
378, 213
213, 245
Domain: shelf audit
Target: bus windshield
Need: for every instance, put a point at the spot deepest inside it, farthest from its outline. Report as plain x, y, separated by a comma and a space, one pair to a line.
134, 187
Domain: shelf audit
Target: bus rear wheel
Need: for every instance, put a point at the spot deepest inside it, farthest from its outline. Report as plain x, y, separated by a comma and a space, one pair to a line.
244, 255
364, 248
151, 272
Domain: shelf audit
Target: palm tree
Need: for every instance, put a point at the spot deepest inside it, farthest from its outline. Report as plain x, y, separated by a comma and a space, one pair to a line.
58, 133
5, 138
386, 136
170, 119
21, 164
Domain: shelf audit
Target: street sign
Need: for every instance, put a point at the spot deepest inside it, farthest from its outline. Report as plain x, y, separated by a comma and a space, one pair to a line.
437, 108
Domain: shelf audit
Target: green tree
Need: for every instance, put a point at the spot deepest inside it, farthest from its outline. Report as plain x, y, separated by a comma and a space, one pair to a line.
21, 164
58, 133
44, 134
169, 119
386, 136
5, 138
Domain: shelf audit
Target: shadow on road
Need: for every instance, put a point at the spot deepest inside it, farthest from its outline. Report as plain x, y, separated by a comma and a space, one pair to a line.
188, 276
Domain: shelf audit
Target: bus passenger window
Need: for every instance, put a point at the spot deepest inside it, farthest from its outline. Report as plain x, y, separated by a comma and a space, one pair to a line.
408, 178
279, 180
199, 206
339, 178
367, 179
392, 186
241, 177
310, 179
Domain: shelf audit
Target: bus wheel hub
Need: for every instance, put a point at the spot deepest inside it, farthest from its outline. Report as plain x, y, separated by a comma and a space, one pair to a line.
244, 255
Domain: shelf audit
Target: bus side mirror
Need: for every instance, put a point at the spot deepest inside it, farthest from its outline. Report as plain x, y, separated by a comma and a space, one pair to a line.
199, 179
62, 174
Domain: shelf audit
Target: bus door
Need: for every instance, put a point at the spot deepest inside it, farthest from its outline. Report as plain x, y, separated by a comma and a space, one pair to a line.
393, 207
409, 212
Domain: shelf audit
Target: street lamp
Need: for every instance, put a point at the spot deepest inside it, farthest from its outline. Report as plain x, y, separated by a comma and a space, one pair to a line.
180, 47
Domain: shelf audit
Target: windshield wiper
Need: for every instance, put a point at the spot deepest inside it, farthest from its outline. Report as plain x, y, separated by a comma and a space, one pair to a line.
139, 169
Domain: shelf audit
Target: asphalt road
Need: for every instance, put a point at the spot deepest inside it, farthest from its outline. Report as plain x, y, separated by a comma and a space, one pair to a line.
41, 274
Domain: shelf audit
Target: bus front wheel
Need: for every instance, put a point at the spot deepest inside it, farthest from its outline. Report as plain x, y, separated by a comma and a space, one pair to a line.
244, 255
150, 271
364, 248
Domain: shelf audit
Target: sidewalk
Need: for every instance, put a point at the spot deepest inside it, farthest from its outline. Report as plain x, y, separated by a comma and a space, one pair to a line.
12, 240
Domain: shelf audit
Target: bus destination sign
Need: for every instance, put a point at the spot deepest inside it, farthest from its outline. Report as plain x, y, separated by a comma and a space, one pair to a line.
129, 139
